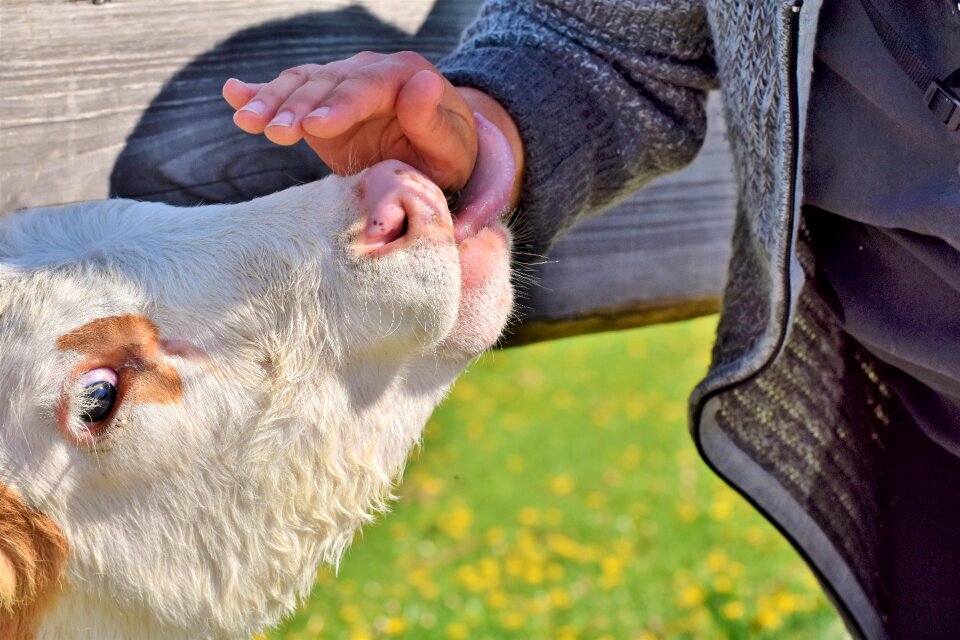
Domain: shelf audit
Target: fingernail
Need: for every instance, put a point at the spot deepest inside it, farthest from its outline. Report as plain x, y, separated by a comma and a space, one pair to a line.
322, 112
237, 80
282, 119
254, 106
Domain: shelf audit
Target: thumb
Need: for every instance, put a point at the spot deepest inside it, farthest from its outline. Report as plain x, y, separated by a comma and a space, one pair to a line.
440, 128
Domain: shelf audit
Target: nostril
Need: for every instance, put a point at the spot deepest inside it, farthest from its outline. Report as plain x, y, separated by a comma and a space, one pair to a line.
386, 223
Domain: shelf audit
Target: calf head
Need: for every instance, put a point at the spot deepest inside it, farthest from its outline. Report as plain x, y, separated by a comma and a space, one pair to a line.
203, 405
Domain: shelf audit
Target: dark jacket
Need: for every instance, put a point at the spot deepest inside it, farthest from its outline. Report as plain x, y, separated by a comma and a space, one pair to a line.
608, 95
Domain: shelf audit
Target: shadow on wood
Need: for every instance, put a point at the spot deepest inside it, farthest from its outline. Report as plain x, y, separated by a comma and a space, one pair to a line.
185, 148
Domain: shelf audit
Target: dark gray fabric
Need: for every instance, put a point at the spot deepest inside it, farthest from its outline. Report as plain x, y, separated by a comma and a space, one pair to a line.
798, 412
887, 169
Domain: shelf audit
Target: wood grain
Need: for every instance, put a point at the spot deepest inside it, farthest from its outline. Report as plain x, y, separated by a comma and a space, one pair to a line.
123, 98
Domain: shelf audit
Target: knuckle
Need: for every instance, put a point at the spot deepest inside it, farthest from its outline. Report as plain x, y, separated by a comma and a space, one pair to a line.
409, 58
299, 72
326, 76
366, 57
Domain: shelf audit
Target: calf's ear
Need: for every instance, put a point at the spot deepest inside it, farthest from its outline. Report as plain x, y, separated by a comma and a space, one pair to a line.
33, 555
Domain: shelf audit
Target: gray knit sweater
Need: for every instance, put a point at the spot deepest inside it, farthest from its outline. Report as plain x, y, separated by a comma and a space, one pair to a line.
608, 95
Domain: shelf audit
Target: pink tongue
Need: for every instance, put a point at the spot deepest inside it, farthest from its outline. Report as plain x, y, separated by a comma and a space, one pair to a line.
487, 196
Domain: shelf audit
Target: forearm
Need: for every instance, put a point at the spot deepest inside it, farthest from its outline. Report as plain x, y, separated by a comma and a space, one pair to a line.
604, 98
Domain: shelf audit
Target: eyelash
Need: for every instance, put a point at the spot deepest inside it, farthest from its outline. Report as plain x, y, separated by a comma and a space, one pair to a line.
100, 389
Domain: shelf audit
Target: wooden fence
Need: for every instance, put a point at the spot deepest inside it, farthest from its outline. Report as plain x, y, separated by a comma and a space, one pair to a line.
89, 91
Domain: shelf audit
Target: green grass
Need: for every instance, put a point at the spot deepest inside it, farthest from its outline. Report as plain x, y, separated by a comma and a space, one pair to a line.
558, 495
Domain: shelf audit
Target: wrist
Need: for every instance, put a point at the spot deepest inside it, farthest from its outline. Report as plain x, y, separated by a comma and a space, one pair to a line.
490, 109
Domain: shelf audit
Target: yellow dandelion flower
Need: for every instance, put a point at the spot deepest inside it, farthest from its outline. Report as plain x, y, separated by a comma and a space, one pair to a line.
350, 613
562, 484
512, 620
716, 561
674, 411
490, 569
476, 429
431, 486
631, 457
496, 599
394, 626
513, 564
611, 564
553, 516
612, 477
555, 572
530, 377
722, 508
735, 569
456, 523
636, 410
567, 633
785, 603
686, 512
769, 620
563, 399
610, 581
360, 634
755, 535
560, 598
315, 625
596, 500
722, 584
732, 610
513, 422
691, 596
495, 536
623, 547
466, 390
533, 573
467, 576
428, 591
457, 631
528, 517
602, 416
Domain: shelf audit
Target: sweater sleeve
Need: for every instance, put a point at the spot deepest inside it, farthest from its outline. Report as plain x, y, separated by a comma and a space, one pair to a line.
606, 94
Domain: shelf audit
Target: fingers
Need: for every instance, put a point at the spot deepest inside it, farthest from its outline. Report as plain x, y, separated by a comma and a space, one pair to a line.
367, 92
365, 108
440, 126
277, 107
238, 93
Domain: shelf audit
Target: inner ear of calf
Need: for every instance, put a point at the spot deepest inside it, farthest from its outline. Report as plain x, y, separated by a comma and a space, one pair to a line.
33, 555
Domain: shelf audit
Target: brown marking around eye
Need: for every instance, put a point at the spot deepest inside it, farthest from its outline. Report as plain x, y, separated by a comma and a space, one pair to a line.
33, 556
131, 346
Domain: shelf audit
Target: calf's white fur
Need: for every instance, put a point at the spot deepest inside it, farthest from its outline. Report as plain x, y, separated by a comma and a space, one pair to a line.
278, 377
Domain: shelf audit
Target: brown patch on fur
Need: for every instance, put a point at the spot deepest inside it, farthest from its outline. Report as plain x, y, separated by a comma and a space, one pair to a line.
131, 346
33, 555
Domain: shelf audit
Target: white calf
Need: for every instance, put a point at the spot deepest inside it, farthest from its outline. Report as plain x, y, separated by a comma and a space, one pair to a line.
202, 405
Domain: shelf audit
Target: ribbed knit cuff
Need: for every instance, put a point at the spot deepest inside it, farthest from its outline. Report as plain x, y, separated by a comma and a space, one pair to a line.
559, 132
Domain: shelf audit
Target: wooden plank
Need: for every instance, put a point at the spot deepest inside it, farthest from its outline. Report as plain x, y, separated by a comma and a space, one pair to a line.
124, 98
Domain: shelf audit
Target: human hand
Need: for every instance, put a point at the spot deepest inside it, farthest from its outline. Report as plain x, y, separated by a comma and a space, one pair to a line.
356, 112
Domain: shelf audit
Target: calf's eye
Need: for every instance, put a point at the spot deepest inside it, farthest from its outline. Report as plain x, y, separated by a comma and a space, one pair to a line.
98, 395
